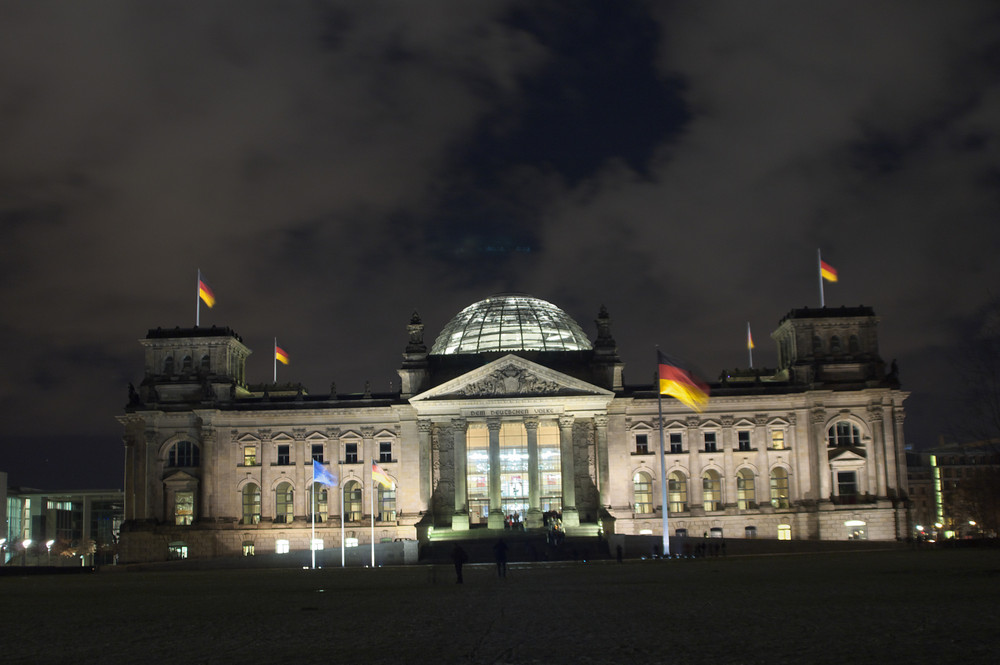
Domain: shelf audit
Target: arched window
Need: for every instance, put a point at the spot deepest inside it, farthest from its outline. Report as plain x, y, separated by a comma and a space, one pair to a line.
711, 488
817, 344
318, 503
184, 454
843, 433
642, 487
206, 363
251, 504
677, 492
352, 501
168, 365
386, 504
834, 344
746, 493
284, 509
779, 488
186, 364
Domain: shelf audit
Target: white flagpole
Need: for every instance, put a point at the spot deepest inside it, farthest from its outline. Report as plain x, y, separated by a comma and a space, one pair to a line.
373, 522
663, 465
274, 359
312, 518
750, 344
819, 268
197, 301
343, 557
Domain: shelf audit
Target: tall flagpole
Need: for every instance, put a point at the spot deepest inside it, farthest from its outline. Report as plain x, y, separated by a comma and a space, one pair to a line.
819, 271
750, 345
197, 301
312, 518
373, 522
274, 359
663, 467
343, 556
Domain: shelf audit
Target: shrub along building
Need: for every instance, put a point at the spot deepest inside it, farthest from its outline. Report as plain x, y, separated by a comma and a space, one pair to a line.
513, 414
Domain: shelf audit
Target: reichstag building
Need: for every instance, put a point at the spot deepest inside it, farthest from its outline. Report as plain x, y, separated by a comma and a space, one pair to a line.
513, 415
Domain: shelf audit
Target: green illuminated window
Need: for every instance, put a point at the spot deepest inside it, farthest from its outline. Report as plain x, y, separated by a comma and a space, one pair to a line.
779, 488
711, 488
677, 492
746, 494
283, 503
251, 504
642, 488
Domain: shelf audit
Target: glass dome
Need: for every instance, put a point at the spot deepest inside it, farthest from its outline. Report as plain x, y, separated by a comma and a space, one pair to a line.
510, 322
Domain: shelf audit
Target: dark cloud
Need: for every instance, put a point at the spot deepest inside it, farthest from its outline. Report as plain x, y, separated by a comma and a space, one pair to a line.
331, 167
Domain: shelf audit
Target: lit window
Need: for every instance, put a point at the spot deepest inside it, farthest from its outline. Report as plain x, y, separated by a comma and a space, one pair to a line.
642, 487
283, 503
251, 504
352, 501
778, 439
779, 488
746, 494
675, 443
681, 533
710, 445
842, 434
248, 548
184, 453
784, 532
385, 451
177, 550
711, 487
284, 455
281, 546
316, 544
351, 453
250, 456
183, 508
750, 532
386, 504
677, 492
715, 532
319, 502
317, 452
743, 438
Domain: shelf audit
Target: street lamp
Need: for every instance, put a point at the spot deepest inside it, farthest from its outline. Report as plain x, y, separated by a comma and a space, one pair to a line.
48, 552
25, 544
3, 546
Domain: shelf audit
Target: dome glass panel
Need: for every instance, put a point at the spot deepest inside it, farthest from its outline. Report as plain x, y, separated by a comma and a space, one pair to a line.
510, 322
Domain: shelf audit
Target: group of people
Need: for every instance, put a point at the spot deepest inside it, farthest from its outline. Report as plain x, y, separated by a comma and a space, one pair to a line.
513, 522
459, 558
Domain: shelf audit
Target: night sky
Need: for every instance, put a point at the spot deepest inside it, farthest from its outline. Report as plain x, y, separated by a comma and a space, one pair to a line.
333, 166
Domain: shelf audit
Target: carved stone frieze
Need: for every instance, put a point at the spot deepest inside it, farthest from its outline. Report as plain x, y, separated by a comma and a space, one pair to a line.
510, 380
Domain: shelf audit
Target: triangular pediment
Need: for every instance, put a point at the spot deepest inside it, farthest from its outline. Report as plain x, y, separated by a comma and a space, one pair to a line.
510, 376
846, 456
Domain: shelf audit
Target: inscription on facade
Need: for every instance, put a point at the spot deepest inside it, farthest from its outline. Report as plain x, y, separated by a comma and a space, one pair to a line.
496, 413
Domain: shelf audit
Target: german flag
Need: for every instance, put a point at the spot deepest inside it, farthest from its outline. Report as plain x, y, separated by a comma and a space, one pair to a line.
280, 355
828, 272
379, 475
205, 293
681, 383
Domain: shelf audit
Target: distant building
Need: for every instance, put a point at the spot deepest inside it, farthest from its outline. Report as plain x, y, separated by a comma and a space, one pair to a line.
82, 526
954, 489
512, 415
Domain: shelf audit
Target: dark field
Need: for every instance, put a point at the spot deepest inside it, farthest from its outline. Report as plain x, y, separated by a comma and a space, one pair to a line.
930, 606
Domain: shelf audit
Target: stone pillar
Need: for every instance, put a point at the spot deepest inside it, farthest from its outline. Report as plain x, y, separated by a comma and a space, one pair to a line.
205, 506
570, 515
762, 484
424, 459
895, 457
301, 506
368, 485
818, 444
496, 513
696, 503
728, 462
876, 463
533, 519
460, 520
601, 461
148, 462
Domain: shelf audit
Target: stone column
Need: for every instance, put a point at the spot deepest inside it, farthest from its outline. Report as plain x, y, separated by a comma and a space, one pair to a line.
876, 463
601, 461
895, 457
533, 519
460, 520
424, 460
205, 506
818, 444
368, 447
728, 462
762, 483
696, 503
570, 515
148, 463
496, 513
301, 504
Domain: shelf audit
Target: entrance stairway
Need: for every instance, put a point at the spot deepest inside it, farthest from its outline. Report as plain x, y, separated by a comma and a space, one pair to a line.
580, 544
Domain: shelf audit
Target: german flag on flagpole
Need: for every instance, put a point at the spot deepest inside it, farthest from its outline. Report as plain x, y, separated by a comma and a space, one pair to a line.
379, 475
680, 383
827, 271
205, 293
280, 355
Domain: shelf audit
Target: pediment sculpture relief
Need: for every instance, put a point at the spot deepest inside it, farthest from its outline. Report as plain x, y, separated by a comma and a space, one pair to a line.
510, 380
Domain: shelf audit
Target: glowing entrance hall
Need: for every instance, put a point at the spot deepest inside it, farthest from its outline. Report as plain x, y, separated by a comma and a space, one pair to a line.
514, 472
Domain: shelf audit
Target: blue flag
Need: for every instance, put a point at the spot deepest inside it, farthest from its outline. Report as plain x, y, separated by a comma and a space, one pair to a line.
323, 475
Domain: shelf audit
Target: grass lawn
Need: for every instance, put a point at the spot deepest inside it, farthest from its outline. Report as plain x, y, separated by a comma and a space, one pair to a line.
927, 606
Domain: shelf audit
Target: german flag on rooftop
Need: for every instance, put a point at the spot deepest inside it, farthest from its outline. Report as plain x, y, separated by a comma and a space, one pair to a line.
679, 382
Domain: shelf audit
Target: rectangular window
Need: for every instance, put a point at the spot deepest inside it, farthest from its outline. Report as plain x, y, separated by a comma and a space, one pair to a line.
317, 452
778, 439
784, 532
847, 483
350, 453
716, 532
250, 456
710, 444
385, 451
641, 444
316, 544
248, 548
743, 438
281, 547
750, 532
675, 443
284, 457
681, 533
183, 508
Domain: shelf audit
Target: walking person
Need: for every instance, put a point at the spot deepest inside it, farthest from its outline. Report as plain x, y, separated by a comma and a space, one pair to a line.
500, 552
459, 557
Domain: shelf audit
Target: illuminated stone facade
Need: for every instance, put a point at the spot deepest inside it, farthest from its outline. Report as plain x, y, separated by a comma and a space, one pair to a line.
536, 421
